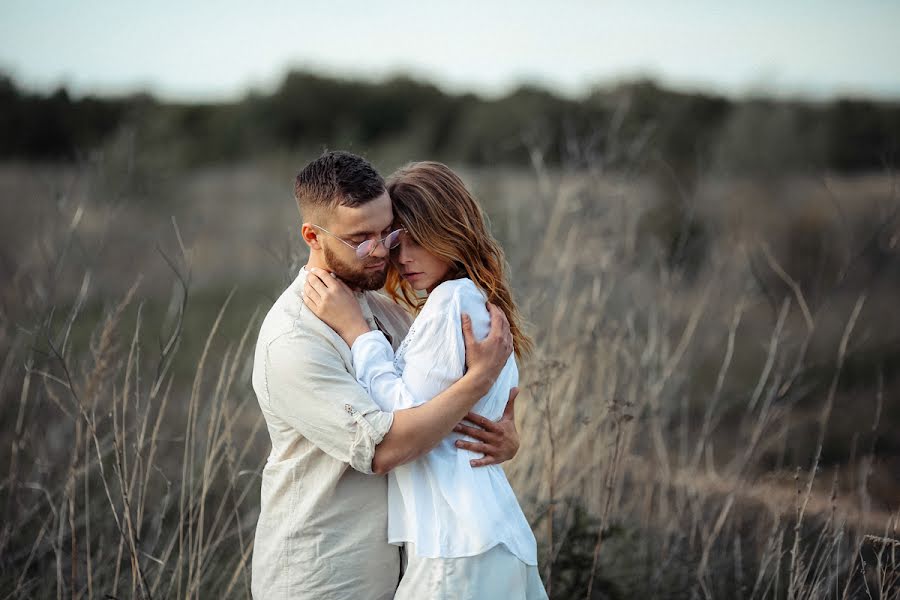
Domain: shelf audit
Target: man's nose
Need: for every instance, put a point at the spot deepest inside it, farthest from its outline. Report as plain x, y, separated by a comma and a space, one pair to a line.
380, 250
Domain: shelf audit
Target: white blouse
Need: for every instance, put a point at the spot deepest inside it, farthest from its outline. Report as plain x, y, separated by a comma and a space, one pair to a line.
439, 502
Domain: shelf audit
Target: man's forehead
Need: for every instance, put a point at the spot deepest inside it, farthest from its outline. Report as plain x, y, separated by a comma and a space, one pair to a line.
371, 217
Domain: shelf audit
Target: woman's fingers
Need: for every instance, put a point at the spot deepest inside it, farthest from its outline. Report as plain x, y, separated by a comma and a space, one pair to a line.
332, 281
468, 336
328, 281
311, 293
316, 282
500, 327
321, 275
322, 283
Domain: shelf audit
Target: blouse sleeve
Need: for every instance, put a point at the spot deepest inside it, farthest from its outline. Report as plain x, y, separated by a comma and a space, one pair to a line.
434, 357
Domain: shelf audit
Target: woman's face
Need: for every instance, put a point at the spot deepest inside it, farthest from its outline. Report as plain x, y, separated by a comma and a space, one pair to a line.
423, 270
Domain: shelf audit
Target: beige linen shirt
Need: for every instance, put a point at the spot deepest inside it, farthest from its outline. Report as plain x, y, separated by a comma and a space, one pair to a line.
322, 530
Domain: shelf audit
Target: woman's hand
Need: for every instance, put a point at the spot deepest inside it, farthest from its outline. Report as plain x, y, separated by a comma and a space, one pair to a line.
332, 301
486, 359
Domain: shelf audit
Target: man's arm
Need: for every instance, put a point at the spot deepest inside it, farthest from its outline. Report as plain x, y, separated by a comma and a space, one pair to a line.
417, 430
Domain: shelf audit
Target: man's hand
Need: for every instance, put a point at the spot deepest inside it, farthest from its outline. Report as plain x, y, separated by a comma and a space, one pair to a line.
488, 357
499, 441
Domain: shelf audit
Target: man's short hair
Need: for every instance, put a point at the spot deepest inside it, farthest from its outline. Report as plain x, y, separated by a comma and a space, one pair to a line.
336, 179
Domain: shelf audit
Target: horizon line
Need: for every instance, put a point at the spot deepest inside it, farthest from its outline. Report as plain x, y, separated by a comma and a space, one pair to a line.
158, 92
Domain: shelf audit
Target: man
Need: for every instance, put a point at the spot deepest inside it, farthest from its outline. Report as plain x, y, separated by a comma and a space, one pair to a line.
322, 530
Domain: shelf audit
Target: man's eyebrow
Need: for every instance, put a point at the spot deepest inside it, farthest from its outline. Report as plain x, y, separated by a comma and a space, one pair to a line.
368, 233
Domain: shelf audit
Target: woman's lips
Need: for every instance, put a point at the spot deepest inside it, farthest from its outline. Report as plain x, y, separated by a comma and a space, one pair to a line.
411, 275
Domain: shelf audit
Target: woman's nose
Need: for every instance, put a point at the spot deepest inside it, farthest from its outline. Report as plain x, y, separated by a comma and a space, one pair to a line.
403, 256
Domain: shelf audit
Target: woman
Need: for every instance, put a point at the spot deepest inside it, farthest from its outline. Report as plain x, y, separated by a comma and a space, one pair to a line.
465, 534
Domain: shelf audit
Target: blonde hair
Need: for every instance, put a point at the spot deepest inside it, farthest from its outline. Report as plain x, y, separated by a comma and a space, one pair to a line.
432, 203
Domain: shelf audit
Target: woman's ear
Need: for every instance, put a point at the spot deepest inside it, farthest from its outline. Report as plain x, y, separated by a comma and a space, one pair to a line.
311, 236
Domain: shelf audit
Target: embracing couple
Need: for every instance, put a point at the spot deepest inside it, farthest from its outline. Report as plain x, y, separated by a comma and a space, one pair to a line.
390, 415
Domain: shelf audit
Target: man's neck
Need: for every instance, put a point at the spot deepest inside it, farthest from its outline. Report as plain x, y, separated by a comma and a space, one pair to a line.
317, 262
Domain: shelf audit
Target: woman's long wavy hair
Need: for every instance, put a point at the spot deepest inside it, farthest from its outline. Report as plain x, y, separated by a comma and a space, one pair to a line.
432, 203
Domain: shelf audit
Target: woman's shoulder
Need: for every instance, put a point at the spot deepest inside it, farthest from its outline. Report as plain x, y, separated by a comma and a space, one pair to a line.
462, 292
447, 302
442, 313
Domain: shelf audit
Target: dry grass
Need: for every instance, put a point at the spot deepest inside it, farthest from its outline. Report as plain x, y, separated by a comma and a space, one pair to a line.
677, 472
682, 426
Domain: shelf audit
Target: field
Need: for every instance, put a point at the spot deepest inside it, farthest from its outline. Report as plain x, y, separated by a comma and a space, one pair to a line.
711, 411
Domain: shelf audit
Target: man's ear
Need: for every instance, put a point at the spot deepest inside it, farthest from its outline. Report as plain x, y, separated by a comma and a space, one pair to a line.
310, 235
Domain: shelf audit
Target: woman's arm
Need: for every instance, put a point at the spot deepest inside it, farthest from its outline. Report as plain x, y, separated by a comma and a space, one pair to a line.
416, 430
435, 351
434, 357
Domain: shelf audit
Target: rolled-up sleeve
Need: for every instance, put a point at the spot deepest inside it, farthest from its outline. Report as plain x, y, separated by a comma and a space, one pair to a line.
309, 388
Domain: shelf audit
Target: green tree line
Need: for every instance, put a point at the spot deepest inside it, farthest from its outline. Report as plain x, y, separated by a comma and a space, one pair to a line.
615, 124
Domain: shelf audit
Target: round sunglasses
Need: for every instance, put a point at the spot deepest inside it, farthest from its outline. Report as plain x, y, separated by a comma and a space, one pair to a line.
366, 248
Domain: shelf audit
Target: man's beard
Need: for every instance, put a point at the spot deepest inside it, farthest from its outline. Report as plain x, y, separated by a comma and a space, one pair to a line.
356, 276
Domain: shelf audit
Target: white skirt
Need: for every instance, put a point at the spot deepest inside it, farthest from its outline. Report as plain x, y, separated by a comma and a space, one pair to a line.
498, 573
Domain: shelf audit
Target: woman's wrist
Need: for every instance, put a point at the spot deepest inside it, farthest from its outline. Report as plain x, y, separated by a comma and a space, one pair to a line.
481, 379
355, 330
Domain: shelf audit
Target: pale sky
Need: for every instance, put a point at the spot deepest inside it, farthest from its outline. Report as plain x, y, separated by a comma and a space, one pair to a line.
205, 50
